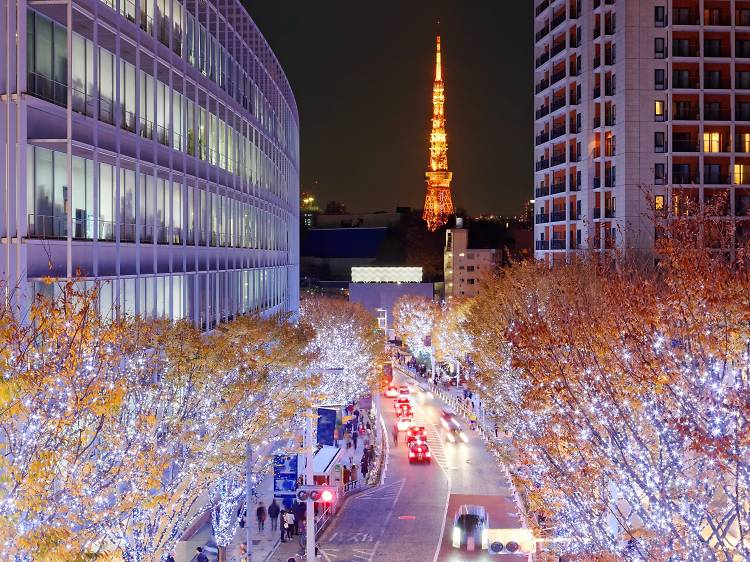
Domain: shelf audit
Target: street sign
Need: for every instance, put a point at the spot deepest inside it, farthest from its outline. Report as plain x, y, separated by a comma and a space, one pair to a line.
285, 478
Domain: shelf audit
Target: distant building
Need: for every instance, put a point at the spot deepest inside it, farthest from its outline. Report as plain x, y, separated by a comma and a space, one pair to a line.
464, 267
309, 210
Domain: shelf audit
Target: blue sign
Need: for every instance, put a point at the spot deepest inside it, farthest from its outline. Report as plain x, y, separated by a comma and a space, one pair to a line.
285, 477
326, 426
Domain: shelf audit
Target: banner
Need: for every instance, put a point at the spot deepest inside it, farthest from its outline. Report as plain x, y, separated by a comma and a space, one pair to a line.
285, 477
326, 426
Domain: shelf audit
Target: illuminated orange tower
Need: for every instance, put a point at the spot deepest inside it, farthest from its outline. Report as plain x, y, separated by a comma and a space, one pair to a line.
438, 205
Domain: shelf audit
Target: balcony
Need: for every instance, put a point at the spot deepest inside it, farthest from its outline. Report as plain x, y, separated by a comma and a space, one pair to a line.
714, 114
558, 103
558, 131
597, 213
542, 164
574, 184
557, 216
742, 17
542, 85
541, 138
542, 244
715, 178
610, 90
597, 92
609, 59
715, 50
597, 182
685, 16
558, 187
557, 20
742, 49
685, 145
47, 89
557, 159
558, 48
541, 191
609, 181
597, 62
542, 111
716, 82
558, 244
716, 17
684, 48
541, 59
683, 80
541, 33
741, 143
574, 127
681, 177
557, 76
609, 213
573, 213
742, 112
542, 218
609, 29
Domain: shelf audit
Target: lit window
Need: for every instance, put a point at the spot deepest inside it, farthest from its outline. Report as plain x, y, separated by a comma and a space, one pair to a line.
659, 110
739, 175
744, 144
659, 202
711, 142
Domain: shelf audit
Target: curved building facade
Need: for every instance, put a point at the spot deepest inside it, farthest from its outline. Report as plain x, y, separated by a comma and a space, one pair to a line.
153, 143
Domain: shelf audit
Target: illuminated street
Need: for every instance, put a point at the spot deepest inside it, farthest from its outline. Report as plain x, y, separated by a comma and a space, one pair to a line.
409, 518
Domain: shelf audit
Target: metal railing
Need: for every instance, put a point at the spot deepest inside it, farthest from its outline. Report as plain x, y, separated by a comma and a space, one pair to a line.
47, 89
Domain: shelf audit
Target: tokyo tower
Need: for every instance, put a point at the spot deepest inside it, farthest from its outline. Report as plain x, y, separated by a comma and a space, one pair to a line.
438, 205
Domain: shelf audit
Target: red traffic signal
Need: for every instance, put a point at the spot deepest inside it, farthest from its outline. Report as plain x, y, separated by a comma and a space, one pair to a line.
315, 494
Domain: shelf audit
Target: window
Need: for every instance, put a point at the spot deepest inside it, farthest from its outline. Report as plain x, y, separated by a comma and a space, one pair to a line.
659, 203
711, 142
741, 175
469, 268
660, 144
660, 50
47, 59
127, 96
743, 142
712, 173
660, 175
471, 281
83, 76
660, 16
660, 80
659, 111
106, 86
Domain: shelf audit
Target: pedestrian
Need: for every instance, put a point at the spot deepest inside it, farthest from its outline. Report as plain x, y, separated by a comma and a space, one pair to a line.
354, 472
260, 513
273, 513
170, 557
355, 437
289, 524
300, 512
282, 526
242, 516
346, 475
395, 435
365, 468
351, 456
200, 557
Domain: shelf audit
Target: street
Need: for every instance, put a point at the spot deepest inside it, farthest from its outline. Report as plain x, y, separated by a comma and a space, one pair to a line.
410, 517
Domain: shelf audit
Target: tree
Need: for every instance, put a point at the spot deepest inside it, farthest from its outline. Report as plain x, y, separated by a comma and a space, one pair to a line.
414, 319
625, 390
451, 339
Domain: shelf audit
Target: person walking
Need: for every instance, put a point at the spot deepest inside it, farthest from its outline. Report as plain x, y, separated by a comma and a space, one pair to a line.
355, 437
395, 435
365, 467
200, 556
273, 513
260, 513
289, 524
170, 557
282, 526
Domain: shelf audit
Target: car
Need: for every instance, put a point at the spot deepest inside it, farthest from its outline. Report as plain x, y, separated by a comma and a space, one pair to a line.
448, 418
391, 391
403, 390
470, 526
419, 452
400, 402
405, 411
455, 434
405, 421
416, 434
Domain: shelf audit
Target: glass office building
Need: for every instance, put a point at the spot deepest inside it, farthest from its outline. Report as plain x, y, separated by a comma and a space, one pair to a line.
153, 144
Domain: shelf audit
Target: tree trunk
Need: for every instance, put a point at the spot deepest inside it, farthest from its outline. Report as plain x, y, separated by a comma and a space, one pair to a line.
222, 553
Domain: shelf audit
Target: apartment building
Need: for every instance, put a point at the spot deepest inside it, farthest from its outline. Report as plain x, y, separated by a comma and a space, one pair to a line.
152, 145
464, 267
642, 108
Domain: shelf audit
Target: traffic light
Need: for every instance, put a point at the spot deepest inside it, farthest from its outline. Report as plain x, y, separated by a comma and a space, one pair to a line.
510, 541
315, 494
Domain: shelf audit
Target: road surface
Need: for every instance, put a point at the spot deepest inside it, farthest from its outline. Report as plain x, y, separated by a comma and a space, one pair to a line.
409, 518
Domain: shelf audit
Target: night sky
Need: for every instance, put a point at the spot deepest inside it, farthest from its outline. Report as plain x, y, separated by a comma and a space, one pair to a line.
362, 76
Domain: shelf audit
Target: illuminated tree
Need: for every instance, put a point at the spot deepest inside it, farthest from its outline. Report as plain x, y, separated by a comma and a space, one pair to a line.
414, 319
451, 339
346, 344
625, 390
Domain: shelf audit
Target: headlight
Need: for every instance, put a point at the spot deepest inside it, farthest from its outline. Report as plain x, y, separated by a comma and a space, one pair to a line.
464, 438
456, 537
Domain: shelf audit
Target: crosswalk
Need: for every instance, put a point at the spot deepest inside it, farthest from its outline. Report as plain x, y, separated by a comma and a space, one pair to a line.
437, 448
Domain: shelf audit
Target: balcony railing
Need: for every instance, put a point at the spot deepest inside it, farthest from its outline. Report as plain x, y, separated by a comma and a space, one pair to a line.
558, 48
685, 145
557, 159
597, 213
542, 218
557, 20
542, 111
557, 76
541, 33
712, 17
542, 244
609, 181
541, 138
689, 113
742, 17
541, 7
712, 50
558, 187
541, 59
597, 182
573, 213
685, 49
716, 178
542, 85
609, 213
558, 103
685, 178
542, 164
47, 89
558, 131
558, 244
682, 16
557, 216
541, 191
717, 114
683, 81
741, 144
742, 113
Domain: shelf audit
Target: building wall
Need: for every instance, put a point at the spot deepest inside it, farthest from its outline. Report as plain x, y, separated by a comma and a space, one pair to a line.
464, 268
383, 295
603, 153
170, 168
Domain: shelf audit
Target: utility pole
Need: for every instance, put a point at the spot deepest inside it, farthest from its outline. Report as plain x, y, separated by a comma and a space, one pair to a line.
309, 475
248, 498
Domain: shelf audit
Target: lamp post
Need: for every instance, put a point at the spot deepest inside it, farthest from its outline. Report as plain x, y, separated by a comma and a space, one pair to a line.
248, 499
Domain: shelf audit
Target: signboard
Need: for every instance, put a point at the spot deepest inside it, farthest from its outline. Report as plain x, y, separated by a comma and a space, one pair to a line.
285, 478
326, 426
